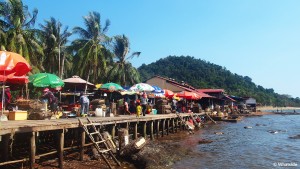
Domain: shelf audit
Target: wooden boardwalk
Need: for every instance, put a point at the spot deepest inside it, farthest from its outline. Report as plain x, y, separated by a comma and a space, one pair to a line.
26, 141
24, 126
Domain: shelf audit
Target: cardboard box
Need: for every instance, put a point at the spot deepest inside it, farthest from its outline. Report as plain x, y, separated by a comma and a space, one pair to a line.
17, 115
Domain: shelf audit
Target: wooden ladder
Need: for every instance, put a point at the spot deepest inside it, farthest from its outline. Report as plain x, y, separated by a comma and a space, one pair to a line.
92, 133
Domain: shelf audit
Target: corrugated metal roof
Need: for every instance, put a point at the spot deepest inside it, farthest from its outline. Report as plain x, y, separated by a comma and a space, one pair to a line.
211, 90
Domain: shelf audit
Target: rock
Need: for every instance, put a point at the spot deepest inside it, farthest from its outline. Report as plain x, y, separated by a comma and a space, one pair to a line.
204, 141
248, 127
273, 131
295, 137
219, 133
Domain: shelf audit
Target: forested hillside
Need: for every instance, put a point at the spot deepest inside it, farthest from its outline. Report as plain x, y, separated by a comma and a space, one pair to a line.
202, 74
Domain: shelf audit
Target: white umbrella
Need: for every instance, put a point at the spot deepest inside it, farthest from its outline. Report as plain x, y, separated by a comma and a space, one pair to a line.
142, 87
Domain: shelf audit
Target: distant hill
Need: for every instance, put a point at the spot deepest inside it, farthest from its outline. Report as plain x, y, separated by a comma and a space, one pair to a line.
203, 74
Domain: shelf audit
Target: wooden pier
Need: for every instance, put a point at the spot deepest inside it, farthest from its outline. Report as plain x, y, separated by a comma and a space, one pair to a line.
25, 142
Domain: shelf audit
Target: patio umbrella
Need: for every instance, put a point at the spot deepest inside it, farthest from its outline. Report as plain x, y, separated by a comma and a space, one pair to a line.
168, 93
142, 87
11, 64
76, 83
111, 87
188, 95
46, 80
14, 79
157, 89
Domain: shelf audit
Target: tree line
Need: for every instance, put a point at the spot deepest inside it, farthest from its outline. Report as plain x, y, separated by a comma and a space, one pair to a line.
203, 74
93, 55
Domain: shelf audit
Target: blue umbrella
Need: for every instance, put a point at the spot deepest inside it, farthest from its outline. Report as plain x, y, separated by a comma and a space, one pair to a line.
157, 89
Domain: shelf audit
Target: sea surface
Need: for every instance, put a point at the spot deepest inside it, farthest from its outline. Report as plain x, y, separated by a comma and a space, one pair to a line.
266, 145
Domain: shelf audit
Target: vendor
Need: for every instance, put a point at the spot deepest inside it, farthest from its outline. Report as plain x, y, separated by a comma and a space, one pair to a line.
52, 100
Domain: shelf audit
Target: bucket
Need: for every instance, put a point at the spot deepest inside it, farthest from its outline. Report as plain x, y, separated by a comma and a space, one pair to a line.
99, 112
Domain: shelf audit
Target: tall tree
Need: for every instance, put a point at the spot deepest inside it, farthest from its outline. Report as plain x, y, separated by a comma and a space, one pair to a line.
122, 71
54, 40
90, 56
17, 23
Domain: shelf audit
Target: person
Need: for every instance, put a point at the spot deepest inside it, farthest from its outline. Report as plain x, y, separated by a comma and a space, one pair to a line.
84, 104
7, 101
138, 110
51, 99
174, 104
144, 102
126, 108
132, 107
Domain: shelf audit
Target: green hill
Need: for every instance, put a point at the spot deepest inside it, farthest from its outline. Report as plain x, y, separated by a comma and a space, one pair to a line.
202, 74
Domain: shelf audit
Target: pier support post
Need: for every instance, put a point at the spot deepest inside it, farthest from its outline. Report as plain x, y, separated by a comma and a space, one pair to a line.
168, 126
32, 150
61, 138
145, 130
135, 133
113, 131
82, 143
157, 128
5, 147
173, 126
163, 127
151, 131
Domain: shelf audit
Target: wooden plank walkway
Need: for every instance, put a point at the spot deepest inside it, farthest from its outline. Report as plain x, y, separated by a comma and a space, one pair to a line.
23, 126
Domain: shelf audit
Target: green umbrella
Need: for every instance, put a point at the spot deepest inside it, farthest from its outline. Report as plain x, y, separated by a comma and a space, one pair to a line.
111, 87
46, 80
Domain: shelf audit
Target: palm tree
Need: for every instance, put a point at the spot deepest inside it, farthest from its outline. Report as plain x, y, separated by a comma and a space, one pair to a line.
17, 23
54, 40
122, 71
90, 57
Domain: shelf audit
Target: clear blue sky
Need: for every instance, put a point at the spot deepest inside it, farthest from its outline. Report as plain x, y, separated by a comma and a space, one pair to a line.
255, 38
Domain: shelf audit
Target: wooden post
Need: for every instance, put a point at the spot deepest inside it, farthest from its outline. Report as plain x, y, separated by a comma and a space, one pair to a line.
168, 126
32, 150
145, 130
5, 146
113, 131
176, 125
151, 131
61, 138
127, 125
82, 143
135, 133
173, 125
157, 128
163, 127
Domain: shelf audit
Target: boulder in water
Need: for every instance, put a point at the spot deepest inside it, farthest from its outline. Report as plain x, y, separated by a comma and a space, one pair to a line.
204, 141
248, 127
219, 133
295, 137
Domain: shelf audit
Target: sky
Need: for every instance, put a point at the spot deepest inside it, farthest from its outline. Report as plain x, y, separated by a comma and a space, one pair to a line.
255, 38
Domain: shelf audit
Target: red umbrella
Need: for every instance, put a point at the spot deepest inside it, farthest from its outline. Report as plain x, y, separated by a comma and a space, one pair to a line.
188, 95
13, 63
168, 93
14, 79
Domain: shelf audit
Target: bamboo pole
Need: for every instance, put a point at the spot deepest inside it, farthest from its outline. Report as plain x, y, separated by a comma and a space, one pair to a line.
168, 126
173, 125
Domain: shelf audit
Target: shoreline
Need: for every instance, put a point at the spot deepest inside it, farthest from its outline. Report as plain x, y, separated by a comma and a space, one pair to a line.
263, 108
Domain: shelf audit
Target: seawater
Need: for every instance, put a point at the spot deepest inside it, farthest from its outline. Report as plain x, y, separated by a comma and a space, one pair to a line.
257, 147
